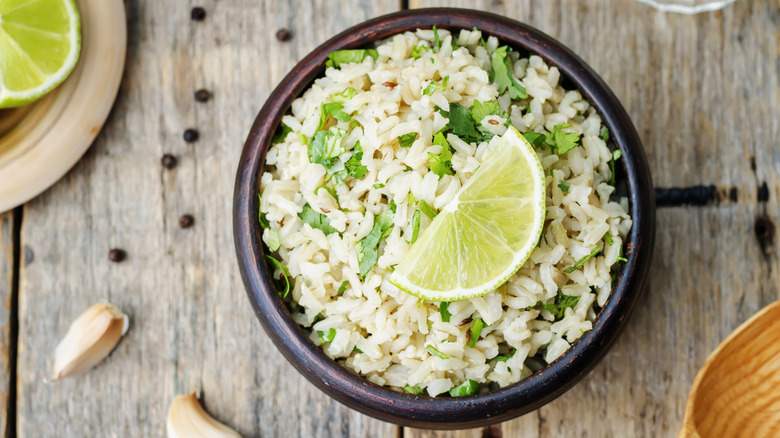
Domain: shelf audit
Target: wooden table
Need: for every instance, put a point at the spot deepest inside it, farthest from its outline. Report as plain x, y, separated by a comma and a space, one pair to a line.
703, 92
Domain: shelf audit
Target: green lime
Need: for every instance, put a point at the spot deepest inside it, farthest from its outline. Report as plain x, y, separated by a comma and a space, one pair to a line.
40, 41
486, 233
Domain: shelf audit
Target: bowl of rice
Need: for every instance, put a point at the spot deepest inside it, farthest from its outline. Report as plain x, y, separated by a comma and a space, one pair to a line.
365, 143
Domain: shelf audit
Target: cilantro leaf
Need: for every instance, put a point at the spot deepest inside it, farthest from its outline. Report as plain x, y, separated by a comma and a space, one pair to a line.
415, 226
469, 387
367, 248
353, 166
437, 41
357, 350
441, 164
273, 240
564, 186
582, 261
476, 330
502, 74
316, 219
379, 186
443, 310
343, 287
605, 134
277, 265
333, 109
414, 390
462, 123
418, 50
564, 141
344, 96
616, 154
327, 337
535, 138
281, 134
325, 146
480, 110
608, 239
427, 209
433, 86
339, 57
507, 357
431, 349
406, 140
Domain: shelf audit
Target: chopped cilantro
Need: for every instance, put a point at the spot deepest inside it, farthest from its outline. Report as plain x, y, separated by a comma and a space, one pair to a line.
608, 239
333, 109
327, 337
480, 110
357, 350
285, 274
427, 209
414, 390
379, 186
316, 219
406, 140
502, 74
326, 146
476, 330
441, 164
507, 357
281, 135
418, 50
445, 314
462, 123
582, 261
437, 41
367, 248
343, 287
273, 240
431, 349
339, 57
353, 166
558, 307
469, 387
434, 86
558, 141
344, 96
605, 134
564, 186
415, 226
616, 154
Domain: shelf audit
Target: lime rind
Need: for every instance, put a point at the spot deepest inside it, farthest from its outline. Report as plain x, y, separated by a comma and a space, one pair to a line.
15, 98
511, 139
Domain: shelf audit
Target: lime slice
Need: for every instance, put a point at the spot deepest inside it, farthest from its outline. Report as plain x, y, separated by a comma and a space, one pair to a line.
40, 41
486, 233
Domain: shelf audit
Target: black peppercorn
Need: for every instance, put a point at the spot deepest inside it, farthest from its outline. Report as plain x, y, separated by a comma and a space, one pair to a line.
202, 95
197, 13
168, 161
191, 135
116, 255
186, 221
283, 35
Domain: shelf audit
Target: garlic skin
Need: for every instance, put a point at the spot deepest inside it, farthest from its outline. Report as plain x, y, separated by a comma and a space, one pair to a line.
188, 419
90, 338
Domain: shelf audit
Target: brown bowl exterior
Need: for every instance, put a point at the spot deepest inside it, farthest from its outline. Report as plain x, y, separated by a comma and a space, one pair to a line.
422, 411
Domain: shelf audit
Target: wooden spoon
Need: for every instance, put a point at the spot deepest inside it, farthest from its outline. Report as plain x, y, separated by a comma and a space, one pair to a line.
737, 391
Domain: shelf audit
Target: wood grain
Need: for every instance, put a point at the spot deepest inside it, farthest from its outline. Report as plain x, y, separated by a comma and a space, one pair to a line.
191, 324
6, 291
703, 92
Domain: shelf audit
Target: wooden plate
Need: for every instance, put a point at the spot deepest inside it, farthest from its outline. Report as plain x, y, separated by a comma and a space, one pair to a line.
37, 143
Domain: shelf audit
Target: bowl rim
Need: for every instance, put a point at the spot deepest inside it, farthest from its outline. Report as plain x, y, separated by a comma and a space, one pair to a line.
422, 411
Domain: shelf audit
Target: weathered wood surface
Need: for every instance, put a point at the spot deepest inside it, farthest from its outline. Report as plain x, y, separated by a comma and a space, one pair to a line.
191, 324
6, 292
703, 92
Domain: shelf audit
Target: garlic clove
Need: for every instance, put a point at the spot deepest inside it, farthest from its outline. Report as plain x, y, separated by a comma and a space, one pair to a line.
188, 419
90, 338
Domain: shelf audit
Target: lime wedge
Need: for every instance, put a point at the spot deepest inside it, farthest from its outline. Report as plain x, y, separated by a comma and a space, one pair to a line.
40, 41
486, 233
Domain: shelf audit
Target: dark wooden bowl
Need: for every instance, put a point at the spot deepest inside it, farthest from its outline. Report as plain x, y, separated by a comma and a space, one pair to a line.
422, 411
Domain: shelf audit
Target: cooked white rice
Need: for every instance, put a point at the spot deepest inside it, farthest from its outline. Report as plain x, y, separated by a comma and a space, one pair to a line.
381, 332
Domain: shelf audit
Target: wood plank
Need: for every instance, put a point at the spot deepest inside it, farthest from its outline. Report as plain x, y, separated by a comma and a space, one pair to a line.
6, 292
703, 93
191, 323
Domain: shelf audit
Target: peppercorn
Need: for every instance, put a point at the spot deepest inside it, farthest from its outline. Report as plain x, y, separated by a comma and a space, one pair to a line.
168, 161
198, 14
283, 35
186, 221
202, 95
117, 255
191, 135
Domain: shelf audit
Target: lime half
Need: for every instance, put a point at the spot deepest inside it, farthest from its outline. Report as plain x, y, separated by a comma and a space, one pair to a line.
40, 41
486, 233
